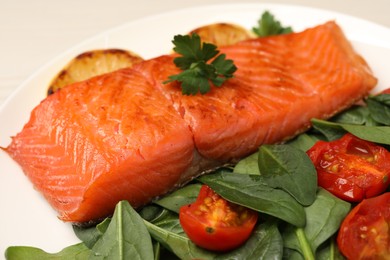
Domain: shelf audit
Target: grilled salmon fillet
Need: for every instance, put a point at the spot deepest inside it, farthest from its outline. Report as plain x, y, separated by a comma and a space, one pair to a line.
280, 84
126, 135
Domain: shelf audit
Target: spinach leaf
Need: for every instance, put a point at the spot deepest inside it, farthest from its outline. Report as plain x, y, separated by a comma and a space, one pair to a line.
356, 115
377, 134
265, 243
168, 232
329, 251
251, 191
379, 107
290, 169
248, 165
91, 235
77, 252
303, 141
332, 131
151, 212
324, 217
180, 197
125, 238
291, 254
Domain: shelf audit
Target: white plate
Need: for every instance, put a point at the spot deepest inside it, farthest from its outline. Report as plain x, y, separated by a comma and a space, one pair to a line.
26, 219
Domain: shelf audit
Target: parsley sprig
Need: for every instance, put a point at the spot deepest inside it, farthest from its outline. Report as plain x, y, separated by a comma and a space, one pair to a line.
267, 25
197, 72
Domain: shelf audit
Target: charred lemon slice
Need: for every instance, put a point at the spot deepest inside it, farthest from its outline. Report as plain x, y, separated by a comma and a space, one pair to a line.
93, 63
221, 34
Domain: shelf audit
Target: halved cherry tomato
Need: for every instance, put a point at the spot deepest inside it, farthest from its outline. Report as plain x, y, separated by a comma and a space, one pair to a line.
215, 224
351, 168
385, 91
365, 232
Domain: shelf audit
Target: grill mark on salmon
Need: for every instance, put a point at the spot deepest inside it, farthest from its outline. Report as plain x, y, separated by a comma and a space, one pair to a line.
126, 135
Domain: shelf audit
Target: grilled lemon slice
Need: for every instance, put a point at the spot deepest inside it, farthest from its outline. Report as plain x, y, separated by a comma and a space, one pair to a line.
93, 63
221, 34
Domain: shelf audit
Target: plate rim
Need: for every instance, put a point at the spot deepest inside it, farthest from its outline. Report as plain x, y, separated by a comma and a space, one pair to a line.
178, 11
163, 15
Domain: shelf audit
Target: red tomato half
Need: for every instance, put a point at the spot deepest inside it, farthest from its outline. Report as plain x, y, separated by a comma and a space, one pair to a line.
385, 91
351, 168
365, 232
215, 224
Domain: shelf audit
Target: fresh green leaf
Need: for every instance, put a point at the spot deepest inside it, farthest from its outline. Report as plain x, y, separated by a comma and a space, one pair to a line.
180, 197
379, 107
264, 243
329, 251
90, 235
168, 232
304, 244
268, 25
76, 252
324, 217
303, 141
224, 69
126, 237
290, 169
192, 50
156, 250
332, 131
383, 98
377, 134
248, 165
291, 254
250, 191
356, 115
197, 72
151, 212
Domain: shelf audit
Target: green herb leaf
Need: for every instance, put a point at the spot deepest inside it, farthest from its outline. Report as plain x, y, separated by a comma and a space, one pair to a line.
168, 232
357, 115
329, 251
180, 197
126, 237
264, 243
197, 72
379, 107
90, 235
77, 251
376, 134
268, 25
283, 167
324, 217
303, 141
248, 165
290, 169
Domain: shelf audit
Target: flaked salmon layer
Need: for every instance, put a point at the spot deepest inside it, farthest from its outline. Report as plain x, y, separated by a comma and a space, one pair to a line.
126, 135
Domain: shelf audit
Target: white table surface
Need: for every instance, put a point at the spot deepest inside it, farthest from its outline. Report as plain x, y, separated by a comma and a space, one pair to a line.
34, 32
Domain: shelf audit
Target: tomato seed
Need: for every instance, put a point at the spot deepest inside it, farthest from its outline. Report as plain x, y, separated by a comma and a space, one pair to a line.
209, 230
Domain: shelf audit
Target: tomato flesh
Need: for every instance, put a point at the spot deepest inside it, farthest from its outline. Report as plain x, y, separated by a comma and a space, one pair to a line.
351, 168
215, 224
364, 233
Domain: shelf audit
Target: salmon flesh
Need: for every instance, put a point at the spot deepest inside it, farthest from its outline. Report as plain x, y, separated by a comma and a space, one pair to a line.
127, 136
